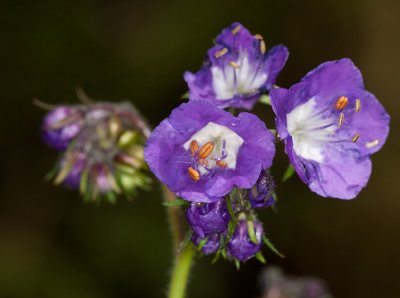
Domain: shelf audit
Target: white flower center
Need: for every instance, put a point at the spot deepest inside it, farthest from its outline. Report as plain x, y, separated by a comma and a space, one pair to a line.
226, 145
310, 130
243, 79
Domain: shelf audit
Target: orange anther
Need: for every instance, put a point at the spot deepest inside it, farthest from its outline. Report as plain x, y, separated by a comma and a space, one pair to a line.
263, 47
221, 163
236, 29
358, 105
341, 103
355, 138
193, 174
234, 64
194, 146
221, 53
206, 150
203, 162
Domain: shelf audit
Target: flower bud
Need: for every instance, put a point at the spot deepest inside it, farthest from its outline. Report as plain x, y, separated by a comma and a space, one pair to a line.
240, 245
260, 195
60, 126
210, 246
208, 218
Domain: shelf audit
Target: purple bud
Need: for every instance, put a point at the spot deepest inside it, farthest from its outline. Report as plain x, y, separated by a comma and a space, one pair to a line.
208, 218
74, 177
60, 126
212, 244
240, 245
103, 179
260, 195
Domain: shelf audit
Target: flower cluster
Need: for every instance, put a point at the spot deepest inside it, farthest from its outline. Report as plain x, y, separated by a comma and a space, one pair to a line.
220, 162
101, 149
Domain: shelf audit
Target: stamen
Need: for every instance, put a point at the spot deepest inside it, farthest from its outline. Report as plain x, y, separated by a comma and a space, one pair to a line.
341, 103
258, 36
341, 118
206, 150
200, 204
236, 29
203, 162
221, 53
355, 138
221, 163
263, 47
193, 174
234, 64
194, 146
372, 144
358, 105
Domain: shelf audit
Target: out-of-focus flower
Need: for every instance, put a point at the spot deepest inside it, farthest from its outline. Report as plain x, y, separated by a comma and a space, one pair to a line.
201, 152
208, 218
60, 126
330, 125
238, 69
261, 194
103, 156
241, 246
278, 285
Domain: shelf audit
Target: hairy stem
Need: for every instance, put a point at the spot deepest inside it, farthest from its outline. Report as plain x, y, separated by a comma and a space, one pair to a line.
180, 272
183, 257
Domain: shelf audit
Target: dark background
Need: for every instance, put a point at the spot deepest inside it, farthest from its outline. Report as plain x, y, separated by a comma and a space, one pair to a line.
53, 245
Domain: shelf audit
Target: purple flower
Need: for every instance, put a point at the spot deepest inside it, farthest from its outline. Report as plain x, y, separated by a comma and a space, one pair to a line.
201, 152
212, 244
238, 69
60, 126
240, 245
208, 218
330, 125
78, 163
260, 195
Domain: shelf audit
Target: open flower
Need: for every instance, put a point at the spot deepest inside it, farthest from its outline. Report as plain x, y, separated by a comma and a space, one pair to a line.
330, 125
201, 152
238, 69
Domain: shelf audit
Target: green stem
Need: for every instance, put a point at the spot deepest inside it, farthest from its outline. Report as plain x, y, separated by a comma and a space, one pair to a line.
183, 256
180, 273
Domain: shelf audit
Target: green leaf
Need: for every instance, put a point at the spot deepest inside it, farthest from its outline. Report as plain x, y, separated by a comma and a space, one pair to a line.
177, 202
271, 246
265, 99
260, 257
252, 233
288, 173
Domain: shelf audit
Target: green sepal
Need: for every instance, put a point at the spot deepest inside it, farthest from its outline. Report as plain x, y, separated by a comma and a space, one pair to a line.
216, 258
223, 253
265, 99
231, 229
202, 243
288, 173
185, 95
83, 184
269, 244
177, 202
260, 257
237, 264
252, 233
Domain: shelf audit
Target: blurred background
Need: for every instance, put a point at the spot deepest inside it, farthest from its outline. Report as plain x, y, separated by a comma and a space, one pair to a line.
53, 245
